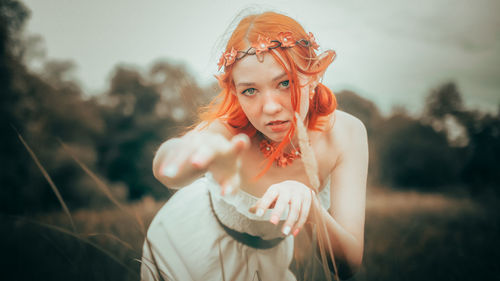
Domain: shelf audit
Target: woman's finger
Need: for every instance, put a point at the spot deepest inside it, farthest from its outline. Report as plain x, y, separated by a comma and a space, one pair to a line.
208, 147
239, 143
267, 199
279, 208
293, 214
304, 213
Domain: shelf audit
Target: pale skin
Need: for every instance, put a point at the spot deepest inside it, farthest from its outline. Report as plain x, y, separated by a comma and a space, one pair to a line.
341, 150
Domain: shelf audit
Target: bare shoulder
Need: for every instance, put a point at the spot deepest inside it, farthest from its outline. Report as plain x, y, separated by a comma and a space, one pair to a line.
345, 129
346, 124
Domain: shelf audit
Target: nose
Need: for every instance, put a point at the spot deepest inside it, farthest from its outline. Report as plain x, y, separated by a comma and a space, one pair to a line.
271, 104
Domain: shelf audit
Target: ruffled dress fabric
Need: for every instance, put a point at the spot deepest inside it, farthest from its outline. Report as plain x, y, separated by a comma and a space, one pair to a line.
201, 235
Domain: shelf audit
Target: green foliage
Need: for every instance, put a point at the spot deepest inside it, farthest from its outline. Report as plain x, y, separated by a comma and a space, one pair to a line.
447, 145
40, 110
479, 131
443, 101
362, 108
140, 113
117, 133
413, 154
481, 164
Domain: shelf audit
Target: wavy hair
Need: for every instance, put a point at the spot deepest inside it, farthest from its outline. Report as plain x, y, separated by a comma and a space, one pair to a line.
295, 60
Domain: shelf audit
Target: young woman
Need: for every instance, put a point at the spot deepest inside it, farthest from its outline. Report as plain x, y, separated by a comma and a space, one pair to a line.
244, 193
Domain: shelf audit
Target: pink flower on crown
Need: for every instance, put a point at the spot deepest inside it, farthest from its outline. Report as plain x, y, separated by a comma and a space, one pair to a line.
262, 45
312, 41
230, 56
286, 39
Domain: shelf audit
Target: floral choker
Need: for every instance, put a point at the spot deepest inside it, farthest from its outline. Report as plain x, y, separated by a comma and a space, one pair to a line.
282, 160
263, 44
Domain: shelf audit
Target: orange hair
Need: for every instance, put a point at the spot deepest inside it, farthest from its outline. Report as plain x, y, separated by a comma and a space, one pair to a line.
299, 59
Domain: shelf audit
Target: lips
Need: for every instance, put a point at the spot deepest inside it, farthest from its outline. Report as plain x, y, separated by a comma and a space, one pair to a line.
276, 122
278, 125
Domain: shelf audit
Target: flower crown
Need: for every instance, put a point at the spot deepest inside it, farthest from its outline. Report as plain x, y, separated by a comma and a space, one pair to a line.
263, 44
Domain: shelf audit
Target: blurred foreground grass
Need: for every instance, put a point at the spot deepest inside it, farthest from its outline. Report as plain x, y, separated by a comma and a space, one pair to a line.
409, 236
415, 236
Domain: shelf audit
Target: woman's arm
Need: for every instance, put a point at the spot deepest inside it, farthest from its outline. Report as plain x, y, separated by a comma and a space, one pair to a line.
212, 147
345, 224
346, 219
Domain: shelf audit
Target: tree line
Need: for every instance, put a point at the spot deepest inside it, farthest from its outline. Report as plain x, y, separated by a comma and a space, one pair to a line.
116, 134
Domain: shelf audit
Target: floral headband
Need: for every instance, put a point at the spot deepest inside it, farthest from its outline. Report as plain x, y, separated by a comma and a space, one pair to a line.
263, 44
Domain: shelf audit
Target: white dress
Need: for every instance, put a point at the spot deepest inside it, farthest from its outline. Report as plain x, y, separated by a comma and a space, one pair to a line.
201, 235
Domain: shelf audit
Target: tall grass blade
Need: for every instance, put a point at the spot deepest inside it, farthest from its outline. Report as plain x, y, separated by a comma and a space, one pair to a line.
58, 249
308, 158
115, 238
49, 180
312, 172
148, 267
104, 188
79, 238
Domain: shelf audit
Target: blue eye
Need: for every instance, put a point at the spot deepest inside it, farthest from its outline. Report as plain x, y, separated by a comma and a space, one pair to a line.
249, 92
285, 84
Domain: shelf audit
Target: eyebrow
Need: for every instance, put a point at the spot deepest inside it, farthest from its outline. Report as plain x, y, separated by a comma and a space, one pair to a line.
252, 83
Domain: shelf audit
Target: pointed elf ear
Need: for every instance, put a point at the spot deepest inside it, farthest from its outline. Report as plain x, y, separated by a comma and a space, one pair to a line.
322, 62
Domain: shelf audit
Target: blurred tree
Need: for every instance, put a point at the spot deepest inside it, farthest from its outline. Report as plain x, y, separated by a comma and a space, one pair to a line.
42, 108
445, 100
12, 17
481, 163
140, 113
123, 150
180, 96
414, 155
362, 108
477, 133
443, 110
115, 134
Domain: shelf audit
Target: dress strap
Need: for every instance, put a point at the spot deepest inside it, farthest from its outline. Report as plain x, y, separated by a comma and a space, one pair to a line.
245, 238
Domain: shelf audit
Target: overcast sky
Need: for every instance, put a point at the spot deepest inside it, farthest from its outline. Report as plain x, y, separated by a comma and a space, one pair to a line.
391, 52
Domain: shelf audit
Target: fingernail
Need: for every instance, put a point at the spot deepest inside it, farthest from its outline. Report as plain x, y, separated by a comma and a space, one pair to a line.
260, 212
274, 219
170, 171
295, 232
286, 230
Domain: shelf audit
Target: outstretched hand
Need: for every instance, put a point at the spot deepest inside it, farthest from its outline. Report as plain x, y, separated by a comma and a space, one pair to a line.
281, 195
200, 152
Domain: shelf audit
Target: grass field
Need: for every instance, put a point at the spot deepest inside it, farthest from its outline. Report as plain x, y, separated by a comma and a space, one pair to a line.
409, 236
413, 236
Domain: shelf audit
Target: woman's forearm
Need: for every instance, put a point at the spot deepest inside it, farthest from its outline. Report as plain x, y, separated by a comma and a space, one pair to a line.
347, 249
171, 175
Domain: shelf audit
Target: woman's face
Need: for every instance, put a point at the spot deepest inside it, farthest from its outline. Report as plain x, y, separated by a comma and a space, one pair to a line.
263, 91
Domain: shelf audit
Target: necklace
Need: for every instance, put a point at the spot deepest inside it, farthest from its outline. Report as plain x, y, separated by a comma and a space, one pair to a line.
283, 159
